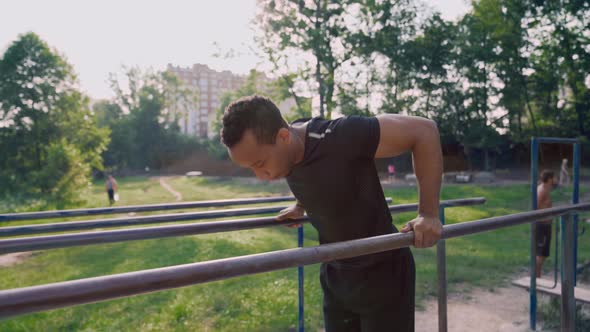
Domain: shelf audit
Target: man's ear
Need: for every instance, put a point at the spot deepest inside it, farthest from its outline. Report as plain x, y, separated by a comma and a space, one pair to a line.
284, 135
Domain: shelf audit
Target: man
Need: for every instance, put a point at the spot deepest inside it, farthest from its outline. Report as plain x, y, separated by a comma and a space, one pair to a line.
111, 187
329, 166
564, 175
543, 227
391, 172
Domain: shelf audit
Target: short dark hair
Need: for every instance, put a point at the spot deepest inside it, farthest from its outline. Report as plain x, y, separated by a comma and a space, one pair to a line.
546, 175
256, 113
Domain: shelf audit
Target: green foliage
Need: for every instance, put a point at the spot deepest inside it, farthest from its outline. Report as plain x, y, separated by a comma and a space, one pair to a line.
144, 118
506, 70
65, 176
41, 109
305, 28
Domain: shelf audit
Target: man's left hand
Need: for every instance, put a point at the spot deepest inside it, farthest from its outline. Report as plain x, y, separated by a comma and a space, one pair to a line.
427, 230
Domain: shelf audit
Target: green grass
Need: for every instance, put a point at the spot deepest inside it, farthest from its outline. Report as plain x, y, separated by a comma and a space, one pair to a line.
263, 302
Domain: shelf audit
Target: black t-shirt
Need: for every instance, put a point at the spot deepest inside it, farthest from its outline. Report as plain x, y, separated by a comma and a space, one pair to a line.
337, 181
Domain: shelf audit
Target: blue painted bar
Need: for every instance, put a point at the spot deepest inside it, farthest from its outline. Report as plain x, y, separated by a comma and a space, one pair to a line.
441, 268
300, 277
575, 200
533, 247
568, 301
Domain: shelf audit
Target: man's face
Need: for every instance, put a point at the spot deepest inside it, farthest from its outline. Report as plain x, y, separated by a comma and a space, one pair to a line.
552, 182
267, 161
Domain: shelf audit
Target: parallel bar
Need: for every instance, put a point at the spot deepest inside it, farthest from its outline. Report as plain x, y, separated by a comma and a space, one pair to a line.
87, 238
128, 221
140, 208
533, 246
140, 220
557, 140
51, 296
441, 268
492, 223
144, 233
575, 200
568, 301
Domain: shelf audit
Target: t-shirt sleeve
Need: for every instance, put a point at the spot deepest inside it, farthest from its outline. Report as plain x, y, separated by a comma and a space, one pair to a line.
357, 136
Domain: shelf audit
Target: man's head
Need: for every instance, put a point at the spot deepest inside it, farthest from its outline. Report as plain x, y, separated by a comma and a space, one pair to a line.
257, 137
548, 177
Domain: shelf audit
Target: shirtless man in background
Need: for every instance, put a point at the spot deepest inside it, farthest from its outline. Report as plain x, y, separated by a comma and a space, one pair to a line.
543, 238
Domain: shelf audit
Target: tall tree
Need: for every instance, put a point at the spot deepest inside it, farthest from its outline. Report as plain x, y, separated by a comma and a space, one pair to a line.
563, 29
387, 29
45, 120
309, 28
146, 110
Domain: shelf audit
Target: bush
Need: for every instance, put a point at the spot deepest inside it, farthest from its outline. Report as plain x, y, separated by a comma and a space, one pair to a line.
65, 176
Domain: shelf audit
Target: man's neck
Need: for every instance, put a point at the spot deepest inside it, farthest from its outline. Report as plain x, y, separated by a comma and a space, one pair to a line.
298, 142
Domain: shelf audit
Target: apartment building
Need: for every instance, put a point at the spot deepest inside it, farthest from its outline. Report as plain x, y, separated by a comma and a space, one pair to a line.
211, 85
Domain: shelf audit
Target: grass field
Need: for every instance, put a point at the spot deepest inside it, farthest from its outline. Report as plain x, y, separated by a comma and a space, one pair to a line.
264, 302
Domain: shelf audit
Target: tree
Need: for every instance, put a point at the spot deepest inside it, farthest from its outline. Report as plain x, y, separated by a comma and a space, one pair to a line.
431, 60
563, 29
386, 29
311, 28
144, 119
44, 118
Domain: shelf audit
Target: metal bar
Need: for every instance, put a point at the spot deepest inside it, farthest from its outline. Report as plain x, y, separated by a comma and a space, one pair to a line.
441, 267
557, 140
568, 304
128, 221
300, 289
87, 238
488, 224
139, 220
575, 200
556, 263
51, 296
533, 247
144, 233
140, 208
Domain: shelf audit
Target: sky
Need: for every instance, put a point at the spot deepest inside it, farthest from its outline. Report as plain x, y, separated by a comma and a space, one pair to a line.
99, 37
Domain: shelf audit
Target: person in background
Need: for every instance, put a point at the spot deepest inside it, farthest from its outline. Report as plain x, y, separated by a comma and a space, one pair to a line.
391, 172
543, 227
564, 175
111, 187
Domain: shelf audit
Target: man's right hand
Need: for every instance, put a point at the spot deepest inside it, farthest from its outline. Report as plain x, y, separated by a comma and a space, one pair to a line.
293, 212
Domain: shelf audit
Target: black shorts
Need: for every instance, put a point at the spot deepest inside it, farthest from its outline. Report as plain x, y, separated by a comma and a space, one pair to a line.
543, 239
111, 193
376, 298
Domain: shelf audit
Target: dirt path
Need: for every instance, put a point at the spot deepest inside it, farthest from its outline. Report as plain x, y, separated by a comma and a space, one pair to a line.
171, 190
15, 258
504, 309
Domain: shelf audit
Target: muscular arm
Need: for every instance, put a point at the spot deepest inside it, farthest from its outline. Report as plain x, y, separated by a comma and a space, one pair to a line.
408, 133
